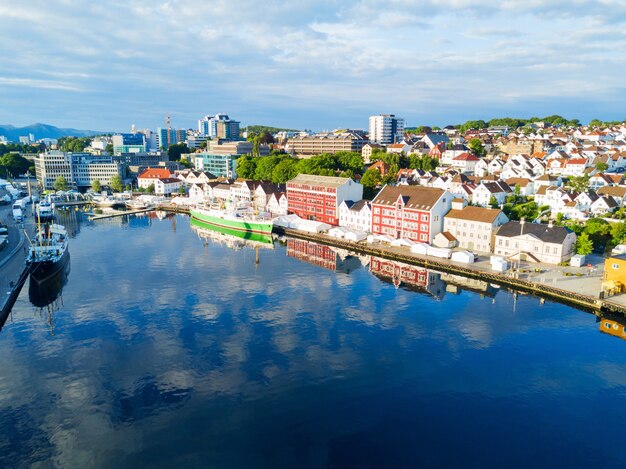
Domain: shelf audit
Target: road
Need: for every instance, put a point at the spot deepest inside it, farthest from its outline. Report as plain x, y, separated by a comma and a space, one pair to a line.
13, 254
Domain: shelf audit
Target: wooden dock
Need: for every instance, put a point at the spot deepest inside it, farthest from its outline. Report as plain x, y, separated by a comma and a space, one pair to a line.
121, 214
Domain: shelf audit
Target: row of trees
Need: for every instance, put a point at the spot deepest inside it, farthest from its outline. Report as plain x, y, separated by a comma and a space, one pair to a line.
595, 233
73, 144
516, 122
21, 148
280, 168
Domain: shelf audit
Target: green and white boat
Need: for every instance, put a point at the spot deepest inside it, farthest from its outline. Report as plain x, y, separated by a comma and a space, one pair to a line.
239, 219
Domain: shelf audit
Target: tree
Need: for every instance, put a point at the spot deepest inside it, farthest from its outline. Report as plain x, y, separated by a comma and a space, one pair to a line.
493, 202
73, 144
584, 245
284, 171
109, 148
96, 186
601, 166
14, 164
181, 190
371, 178
174, 151
116, 184
599, 231
579, 183
246, 166
479, 124
618, 232
61, 184
477, 147
150, 188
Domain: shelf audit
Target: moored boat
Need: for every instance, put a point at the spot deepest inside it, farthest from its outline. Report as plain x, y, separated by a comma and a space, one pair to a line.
48, 253
43, 293
45, 210
238, 218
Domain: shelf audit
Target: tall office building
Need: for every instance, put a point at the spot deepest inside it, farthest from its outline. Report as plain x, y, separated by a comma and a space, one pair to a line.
228, 130
175, 136
129, 143
385, 129
218, 126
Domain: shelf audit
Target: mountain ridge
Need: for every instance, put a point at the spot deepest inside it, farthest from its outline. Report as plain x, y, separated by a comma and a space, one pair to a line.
41, 130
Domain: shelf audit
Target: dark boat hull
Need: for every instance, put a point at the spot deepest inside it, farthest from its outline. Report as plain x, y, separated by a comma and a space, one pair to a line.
42, 293
42, 271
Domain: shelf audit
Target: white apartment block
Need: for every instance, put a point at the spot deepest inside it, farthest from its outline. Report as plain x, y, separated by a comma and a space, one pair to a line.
79, 169
385, 129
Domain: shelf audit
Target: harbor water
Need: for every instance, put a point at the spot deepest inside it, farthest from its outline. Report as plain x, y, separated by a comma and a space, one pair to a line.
166, 345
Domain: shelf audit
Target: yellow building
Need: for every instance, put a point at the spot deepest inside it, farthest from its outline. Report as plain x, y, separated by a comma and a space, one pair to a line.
614, 280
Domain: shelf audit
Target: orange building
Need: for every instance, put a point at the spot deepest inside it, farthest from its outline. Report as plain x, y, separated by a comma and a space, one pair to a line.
614, 279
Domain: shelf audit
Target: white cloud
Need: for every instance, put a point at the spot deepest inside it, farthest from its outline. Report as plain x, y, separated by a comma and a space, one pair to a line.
427, 60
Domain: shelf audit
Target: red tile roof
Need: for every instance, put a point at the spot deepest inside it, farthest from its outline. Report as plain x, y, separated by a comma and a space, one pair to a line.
155, 173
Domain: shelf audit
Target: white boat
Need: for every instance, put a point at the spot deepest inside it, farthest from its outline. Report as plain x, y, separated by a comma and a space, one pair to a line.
137, 204
45, 210
106, 201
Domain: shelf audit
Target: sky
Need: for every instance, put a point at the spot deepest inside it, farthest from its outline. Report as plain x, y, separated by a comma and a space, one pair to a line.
308, 64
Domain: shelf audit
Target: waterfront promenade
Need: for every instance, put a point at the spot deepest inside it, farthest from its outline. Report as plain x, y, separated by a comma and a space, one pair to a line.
13, 254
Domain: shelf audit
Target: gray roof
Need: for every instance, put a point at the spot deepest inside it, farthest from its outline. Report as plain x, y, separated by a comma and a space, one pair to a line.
546, 233
326, 181
357, 206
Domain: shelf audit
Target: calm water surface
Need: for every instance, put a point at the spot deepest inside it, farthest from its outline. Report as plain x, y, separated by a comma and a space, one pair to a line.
168, 350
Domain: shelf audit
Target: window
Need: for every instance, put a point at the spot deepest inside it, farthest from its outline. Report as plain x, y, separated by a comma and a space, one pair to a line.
615, 266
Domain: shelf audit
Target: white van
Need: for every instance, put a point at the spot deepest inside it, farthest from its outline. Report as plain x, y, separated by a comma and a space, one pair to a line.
17, 213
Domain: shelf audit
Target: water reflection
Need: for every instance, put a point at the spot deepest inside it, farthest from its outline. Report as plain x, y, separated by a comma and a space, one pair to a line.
170, 352
613, 324
324, 256
45, 292
408, 276
232, 239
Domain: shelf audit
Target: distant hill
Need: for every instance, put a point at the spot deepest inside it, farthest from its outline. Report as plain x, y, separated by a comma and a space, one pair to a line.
13, 133
261, 128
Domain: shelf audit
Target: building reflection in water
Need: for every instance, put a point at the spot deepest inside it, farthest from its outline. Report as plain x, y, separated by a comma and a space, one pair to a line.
614, 325
321, 255
408, 276
456, 283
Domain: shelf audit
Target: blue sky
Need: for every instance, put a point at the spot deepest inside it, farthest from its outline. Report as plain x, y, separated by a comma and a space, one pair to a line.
317, 64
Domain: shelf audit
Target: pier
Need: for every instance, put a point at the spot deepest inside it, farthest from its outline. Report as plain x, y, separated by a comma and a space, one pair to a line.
121, 214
